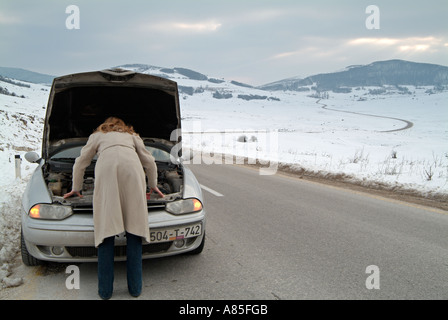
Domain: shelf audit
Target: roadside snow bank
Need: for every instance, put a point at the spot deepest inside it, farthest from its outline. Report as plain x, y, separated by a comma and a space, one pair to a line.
10, 209
21, 125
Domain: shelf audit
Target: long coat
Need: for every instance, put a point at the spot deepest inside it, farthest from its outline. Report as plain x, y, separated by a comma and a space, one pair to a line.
119, 197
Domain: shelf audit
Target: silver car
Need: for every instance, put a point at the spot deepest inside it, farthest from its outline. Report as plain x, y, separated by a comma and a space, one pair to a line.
61, 230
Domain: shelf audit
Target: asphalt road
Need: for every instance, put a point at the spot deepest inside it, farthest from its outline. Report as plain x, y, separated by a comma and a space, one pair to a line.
408, 125
279, 237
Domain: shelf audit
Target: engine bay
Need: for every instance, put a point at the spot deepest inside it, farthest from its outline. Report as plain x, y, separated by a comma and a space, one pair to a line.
59, 182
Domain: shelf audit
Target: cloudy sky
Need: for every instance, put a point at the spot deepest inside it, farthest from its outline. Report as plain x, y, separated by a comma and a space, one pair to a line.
253, 41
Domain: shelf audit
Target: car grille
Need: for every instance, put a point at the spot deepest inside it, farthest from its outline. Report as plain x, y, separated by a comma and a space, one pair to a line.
119, 251
83, 210
89, 210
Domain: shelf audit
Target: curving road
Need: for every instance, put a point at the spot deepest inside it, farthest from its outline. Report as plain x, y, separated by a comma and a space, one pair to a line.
408, 125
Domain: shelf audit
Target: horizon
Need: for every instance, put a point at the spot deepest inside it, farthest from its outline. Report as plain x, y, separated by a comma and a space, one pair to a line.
255, 86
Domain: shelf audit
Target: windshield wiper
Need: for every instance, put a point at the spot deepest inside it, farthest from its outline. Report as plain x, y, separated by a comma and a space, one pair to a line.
62, 159
169, 164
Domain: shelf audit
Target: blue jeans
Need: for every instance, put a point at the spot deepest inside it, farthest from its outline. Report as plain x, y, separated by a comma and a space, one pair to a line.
133, 266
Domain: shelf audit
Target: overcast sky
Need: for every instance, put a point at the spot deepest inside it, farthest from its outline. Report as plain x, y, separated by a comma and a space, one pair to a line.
252, 41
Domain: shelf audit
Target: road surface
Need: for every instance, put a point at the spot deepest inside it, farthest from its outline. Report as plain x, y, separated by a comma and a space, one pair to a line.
408, 123
279, 237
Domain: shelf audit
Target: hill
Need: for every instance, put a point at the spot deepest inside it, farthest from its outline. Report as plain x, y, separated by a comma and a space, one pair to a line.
395, 73
191, 82
26, 75
380, 73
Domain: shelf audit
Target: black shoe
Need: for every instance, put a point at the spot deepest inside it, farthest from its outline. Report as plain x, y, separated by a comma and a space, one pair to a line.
105, 297
135, 294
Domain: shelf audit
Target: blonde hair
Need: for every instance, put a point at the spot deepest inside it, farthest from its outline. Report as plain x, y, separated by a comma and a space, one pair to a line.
115, 124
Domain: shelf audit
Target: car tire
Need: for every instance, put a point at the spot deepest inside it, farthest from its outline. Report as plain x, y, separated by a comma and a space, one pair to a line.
199, 249
27, 258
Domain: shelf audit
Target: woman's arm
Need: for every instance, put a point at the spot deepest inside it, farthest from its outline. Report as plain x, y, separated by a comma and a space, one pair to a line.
148, 164
81, 163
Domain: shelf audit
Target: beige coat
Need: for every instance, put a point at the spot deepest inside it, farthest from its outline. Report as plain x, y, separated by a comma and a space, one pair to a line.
119, 198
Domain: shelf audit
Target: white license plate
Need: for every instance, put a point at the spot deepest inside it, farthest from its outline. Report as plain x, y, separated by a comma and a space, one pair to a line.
175, 233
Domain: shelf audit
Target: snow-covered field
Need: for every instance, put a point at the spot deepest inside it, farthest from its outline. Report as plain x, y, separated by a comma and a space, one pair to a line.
326, 137
334, 136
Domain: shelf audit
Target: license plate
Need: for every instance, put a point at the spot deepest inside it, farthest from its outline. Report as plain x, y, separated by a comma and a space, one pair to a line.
176, 233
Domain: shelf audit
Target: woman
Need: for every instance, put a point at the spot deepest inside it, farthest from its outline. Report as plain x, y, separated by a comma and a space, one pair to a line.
119, 198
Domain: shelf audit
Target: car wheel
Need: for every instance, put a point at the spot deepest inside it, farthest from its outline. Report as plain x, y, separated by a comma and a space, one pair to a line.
199, 249
27, 258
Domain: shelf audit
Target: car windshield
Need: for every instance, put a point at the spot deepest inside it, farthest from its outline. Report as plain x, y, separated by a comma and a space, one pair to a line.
70, 154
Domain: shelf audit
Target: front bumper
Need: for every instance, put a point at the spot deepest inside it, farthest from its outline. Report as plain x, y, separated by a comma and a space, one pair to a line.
72, 239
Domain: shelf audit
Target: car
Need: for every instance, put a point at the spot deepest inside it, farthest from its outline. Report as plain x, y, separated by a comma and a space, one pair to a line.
61, 230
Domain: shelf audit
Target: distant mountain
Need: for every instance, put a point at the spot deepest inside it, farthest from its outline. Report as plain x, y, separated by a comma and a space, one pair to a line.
191, 82
381, 73
286, 84
25, 75
391, 72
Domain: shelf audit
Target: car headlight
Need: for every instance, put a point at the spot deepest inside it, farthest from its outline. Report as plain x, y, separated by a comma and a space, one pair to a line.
50, 211
184, 206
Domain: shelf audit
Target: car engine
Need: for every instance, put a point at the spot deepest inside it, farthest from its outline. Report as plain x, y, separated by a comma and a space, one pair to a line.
169, 181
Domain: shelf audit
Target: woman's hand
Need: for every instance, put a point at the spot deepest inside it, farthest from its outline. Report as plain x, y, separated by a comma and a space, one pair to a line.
157, 191
71, 193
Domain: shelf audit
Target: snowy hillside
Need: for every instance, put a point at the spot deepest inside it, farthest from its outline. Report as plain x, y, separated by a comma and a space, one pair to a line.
393, 136
21, 124
379, 73
192, 82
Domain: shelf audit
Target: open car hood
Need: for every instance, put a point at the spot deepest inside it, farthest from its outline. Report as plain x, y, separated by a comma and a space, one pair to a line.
79, 103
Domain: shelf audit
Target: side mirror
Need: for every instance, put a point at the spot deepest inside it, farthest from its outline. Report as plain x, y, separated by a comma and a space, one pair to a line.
187, 154
174, 160
32, 157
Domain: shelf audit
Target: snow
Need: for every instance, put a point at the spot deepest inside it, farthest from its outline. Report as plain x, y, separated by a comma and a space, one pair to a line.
360, 146
21, 125
334, 136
